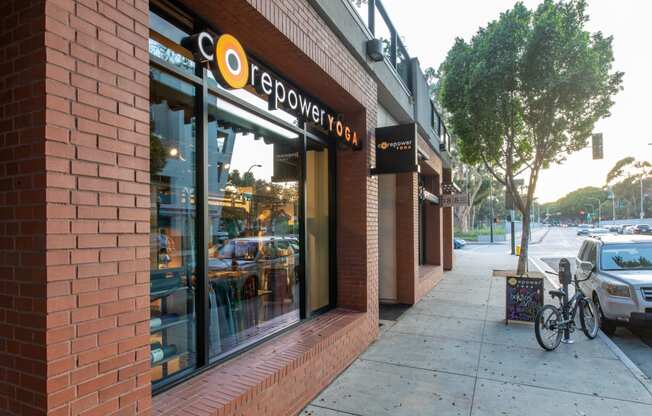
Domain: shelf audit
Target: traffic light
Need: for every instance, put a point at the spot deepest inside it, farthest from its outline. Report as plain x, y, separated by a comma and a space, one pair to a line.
598, 152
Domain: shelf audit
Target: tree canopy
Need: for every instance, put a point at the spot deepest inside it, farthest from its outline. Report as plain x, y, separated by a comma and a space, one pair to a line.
526, 91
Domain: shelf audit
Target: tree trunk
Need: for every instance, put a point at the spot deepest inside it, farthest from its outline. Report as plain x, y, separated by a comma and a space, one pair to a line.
525, 235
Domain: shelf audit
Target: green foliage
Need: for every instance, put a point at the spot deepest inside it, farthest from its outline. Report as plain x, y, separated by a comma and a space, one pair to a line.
474, 234
526, 91
568, 207
619, 169
157, 155
624, 179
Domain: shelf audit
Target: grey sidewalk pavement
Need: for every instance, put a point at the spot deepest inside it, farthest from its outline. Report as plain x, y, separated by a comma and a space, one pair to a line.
452, 354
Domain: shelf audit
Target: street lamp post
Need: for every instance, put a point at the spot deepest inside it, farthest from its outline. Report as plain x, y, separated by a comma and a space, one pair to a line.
255, 165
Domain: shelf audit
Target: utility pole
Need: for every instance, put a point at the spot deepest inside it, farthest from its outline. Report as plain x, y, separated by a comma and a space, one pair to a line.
491, 196
642, 196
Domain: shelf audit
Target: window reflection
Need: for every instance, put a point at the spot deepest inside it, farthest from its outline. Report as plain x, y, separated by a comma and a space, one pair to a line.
164, 43
627, 257
173, 243
253, 253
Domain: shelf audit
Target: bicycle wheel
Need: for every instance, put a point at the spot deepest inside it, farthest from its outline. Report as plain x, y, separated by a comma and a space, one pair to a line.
547, 329
589, 318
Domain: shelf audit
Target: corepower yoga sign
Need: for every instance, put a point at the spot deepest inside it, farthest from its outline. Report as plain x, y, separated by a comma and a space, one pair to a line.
232, 68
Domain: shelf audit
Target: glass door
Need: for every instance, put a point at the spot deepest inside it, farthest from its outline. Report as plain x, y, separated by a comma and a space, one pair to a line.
318, 225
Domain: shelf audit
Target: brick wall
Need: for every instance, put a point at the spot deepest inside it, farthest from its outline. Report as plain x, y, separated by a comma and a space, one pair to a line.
22, 209
407, 236
415, 280
97, 206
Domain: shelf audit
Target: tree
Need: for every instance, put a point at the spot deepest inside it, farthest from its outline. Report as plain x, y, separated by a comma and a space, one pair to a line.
568, 207
473, 181
625, 180
526, 91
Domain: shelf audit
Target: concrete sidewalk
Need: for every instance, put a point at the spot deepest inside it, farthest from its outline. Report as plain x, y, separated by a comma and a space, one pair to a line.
452, 354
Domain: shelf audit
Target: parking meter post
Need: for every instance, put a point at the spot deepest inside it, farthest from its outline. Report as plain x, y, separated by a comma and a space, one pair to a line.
513, 237
565, 278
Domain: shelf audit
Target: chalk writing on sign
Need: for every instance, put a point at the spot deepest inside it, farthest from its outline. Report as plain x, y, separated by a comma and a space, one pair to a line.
524, 298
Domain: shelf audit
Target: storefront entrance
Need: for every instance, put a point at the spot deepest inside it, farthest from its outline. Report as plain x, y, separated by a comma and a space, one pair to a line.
241, 229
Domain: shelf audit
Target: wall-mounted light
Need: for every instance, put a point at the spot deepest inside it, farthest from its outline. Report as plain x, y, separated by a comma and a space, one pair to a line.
202, 46
174, 152
375, 50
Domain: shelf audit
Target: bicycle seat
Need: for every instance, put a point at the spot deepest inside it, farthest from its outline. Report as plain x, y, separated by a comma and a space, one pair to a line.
557, 294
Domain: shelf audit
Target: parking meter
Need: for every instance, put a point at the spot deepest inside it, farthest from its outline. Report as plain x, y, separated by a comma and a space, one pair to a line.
565, 278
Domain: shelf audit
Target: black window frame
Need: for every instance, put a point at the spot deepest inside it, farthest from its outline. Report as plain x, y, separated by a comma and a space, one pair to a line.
200, 80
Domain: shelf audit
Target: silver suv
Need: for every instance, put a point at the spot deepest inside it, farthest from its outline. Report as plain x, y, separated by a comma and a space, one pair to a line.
621, 282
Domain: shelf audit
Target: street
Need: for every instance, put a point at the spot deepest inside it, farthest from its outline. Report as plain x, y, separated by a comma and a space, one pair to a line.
564, 242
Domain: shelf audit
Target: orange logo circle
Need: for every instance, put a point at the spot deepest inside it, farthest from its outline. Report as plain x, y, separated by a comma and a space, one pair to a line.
231, 61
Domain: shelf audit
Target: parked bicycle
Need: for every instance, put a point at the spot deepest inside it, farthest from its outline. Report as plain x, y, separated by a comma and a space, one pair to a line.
553, 322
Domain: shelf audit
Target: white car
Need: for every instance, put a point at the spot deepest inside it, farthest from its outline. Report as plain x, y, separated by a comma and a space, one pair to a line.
596, 232
621, 278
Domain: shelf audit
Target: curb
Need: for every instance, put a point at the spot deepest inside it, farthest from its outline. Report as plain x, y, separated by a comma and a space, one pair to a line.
631, 366
542, 237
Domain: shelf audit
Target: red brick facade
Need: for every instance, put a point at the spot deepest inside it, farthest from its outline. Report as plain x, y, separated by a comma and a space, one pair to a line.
414, 280
76, 194
74, 198
23, 355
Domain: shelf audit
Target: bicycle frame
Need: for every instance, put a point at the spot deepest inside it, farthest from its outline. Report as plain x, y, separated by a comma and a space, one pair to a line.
569, 308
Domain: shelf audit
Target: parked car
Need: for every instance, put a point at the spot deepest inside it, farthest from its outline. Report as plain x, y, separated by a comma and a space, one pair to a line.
458, 243
629, 229
596, 232
614, 229
622, 228
621, 279
641, 229
584, 229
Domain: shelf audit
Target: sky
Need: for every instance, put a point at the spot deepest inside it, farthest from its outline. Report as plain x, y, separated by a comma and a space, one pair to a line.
429, 28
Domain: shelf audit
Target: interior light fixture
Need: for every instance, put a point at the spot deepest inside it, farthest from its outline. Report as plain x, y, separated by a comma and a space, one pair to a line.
174, 152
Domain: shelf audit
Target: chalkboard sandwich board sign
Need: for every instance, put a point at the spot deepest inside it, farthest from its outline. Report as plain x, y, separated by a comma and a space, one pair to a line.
523, 295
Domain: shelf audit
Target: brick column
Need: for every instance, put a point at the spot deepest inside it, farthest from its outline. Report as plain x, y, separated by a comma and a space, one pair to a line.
97, 195
22, 207
407, 236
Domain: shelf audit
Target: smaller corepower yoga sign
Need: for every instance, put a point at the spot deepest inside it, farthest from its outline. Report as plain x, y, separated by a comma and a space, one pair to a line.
232, 67
396, 149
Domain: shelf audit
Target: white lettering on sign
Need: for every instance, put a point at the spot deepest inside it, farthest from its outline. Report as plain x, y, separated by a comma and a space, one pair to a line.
231, 67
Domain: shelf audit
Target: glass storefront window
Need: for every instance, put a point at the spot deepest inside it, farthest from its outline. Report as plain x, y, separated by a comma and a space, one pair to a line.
173, 245
253, 215
266, 223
